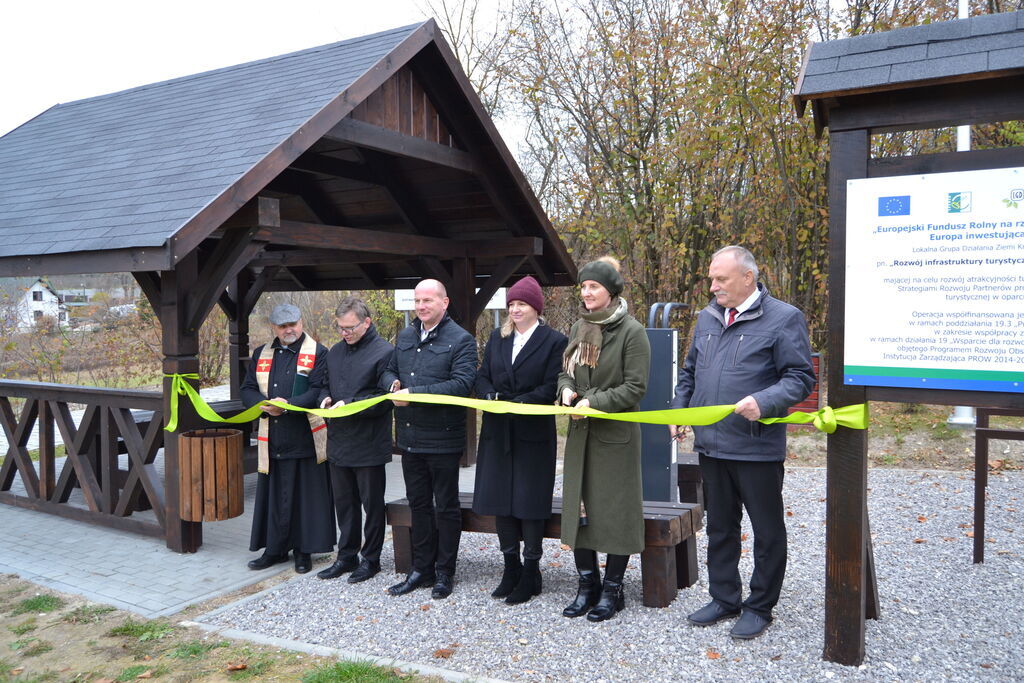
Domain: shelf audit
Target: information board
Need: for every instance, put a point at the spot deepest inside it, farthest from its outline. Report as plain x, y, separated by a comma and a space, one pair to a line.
405, 299
935, 281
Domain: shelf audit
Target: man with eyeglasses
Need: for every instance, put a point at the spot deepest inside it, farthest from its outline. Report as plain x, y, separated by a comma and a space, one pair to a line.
358, 446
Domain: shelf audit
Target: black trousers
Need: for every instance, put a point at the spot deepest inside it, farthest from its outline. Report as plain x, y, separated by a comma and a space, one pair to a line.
732, 485
293, 508
512, 530
432, 487
359, 489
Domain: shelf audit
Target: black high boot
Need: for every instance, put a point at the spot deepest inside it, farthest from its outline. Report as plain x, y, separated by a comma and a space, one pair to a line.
529, 583
612, 598
510, 577
590, 583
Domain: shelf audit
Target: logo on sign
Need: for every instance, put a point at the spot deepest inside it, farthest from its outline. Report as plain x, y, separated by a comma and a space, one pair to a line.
958, 202
894, 206
1016, 197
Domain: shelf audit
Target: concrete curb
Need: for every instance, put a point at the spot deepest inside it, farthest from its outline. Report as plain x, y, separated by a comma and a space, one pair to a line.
323, 651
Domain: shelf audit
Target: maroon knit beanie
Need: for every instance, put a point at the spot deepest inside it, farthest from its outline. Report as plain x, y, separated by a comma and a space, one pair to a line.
528, 291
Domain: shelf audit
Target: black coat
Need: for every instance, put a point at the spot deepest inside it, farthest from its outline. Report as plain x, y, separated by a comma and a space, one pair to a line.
289, 433
515, 470
353, 374
443, 363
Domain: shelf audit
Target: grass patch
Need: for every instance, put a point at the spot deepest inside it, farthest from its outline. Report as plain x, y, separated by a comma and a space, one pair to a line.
143, 631
194, 649
133, 672
364, 672
31, 646
256, 664
23, 628
86, 614
58, 452
39, 603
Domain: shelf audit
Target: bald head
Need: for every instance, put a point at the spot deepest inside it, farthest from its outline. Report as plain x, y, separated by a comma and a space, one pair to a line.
431, 301
435, 286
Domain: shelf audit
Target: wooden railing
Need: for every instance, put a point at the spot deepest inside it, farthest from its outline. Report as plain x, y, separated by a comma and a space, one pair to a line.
108, 428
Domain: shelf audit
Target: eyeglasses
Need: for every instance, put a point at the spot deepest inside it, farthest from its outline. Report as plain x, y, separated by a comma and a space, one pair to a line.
350, 330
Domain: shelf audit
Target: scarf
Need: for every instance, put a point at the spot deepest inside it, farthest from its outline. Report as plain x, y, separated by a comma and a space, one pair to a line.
585, 346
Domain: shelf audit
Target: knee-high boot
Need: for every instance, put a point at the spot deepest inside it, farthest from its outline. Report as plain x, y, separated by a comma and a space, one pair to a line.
612, 598
590, 583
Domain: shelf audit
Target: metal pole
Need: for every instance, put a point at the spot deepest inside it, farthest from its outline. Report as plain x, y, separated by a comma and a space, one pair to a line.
963, 416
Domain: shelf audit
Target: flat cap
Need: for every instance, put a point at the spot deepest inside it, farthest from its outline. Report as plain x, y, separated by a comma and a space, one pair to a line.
285, 313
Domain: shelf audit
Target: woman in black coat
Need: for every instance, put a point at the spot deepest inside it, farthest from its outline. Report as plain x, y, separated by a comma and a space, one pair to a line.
515, 470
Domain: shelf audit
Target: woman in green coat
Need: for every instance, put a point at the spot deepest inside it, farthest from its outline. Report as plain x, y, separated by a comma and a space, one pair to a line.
605, 367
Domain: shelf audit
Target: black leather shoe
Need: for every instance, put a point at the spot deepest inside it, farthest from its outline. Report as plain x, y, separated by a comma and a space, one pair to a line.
303, 563
365, 570
711, 613
337, 569
443, 588
413, 581
265, 560
750, 625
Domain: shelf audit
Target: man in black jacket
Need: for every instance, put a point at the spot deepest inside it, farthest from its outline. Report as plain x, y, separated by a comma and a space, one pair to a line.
434, 355
358, 446
293, 495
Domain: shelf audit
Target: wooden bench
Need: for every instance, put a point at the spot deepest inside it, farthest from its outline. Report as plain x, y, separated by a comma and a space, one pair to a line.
668, 562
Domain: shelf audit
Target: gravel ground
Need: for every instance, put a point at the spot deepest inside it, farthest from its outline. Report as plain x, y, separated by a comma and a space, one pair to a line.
942, 617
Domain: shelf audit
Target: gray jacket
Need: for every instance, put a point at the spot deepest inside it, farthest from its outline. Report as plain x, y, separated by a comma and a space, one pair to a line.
766, 354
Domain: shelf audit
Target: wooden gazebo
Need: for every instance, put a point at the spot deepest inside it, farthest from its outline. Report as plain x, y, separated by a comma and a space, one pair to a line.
962, 72
364, 164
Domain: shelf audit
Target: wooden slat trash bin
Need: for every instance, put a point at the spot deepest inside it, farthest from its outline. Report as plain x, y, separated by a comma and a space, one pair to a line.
210, 469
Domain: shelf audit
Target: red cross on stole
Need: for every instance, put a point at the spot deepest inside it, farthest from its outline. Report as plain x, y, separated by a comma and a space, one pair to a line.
263, 366
306, 360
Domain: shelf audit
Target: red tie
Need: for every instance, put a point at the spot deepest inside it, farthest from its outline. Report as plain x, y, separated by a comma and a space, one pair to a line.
732, 316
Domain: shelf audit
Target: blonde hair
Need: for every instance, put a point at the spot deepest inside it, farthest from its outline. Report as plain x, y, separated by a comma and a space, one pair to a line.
507, 326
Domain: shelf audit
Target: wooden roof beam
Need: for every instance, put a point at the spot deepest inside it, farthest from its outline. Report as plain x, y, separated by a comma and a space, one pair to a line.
311, 162
369, 136
322, 257
317, 235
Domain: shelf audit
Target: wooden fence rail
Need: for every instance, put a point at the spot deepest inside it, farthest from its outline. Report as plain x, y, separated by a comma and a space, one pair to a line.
108, 428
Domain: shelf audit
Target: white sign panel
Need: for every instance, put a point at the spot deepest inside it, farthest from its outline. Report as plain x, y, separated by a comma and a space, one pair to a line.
935, 281
405, 299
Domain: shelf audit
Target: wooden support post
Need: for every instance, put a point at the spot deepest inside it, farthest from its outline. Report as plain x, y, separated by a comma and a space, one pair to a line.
461, 303
181, 356
846, 582
238, 333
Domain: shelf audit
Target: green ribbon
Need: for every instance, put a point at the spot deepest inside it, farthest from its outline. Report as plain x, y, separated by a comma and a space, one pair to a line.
827, 419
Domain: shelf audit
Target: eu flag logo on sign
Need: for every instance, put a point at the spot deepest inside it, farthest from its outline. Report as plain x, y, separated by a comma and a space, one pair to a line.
894, 206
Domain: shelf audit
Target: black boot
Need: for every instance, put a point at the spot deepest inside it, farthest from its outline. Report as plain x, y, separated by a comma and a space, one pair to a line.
529, 583
612, 598
590, 584
510, 577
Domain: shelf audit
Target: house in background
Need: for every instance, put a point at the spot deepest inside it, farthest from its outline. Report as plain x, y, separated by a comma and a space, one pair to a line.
26, 302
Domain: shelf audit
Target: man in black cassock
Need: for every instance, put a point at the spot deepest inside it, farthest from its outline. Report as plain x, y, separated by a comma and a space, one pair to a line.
293, 510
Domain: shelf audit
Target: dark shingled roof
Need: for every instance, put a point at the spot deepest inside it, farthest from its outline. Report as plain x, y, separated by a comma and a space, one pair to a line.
130, 168
964, 49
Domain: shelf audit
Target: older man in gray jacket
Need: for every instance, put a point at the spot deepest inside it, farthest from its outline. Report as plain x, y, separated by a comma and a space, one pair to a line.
751, 350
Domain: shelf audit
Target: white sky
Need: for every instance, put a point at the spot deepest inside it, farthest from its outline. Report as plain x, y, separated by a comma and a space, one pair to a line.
54, 51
